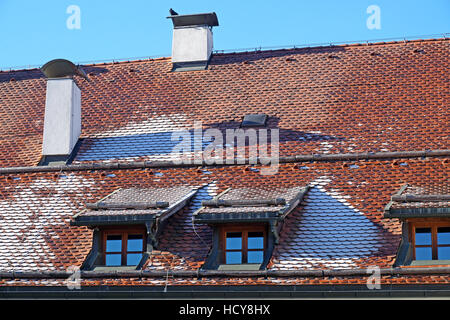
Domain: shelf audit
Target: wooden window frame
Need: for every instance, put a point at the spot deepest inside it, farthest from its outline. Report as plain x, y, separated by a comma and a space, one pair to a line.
433, 225
124, 233
244, 229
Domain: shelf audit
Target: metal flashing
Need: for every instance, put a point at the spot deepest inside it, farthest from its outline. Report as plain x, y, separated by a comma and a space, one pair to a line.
189, 66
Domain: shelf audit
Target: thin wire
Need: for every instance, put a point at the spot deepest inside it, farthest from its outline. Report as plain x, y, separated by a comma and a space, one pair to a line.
167, 274
309, 45
193, 227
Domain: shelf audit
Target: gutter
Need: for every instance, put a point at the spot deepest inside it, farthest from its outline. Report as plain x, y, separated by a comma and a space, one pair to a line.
261, 161
235, 292
222, 273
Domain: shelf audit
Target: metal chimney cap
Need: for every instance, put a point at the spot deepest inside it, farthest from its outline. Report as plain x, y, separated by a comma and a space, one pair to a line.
186, 20
62, 68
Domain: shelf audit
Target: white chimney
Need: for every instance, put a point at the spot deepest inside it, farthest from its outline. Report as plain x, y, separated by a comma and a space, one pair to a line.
62, 119
192, 43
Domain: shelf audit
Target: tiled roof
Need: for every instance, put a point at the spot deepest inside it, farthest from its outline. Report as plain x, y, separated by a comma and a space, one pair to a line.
330, 100
339, 99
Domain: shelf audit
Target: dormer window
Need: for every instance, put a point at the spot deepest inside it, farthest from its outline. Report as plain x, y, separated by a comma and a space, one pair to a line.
431, 242
123, 248
243, 245
246, 223
425, 214
127, 224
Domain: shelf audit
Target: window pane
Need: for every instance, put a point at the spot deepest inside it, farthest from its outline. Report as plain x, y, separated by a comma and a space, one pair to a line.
134, 242
233, 258
255, 256
255, 240
443, 236
113, 259
114, 244
133, 259
234, 241
444, 253
424, 254
423, 236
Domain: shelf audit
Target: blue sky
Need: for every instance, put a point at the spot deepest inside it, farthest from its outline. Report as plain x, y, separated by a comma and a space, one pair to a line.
34, 32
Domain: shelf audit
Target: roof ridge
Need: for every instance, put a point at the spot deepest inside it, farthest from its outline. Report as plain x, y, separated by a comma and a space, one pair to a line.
331, 44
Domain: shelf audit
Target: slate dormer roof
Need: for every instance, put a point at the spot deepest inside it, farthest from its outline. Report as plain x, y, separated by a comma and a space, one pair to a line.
135, 205
413, 201
251, 205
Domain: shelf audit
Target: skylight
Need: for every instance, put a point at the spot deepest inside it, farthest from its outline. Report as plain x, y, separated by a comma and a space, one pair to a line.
254, 120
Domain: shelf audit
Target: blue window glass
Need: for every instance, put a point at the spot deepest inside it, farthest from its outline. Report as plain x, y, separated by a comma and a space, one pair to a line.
133, 259
234, 241
443, 235
233, 257
444, 253
134, 243
238, 252
113, 259
424, 253
423, 236
255, 240
255, 256
114, 243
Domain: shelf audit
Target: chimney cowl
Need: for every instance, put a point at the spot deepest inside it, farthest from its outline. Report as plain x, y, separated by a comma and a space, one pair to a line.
62, 68
199, 19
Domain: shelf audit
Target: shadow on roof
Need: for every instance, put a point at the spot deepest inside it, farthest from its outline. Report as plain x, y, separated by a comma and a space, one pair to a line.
162, 144
249, 56
19, 75
285, 134
94, 70
30, 74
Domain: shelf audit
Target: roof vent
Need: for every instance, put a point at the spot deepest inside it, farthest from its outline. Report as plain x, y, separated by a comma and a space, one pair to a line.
254, 120
192, 40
